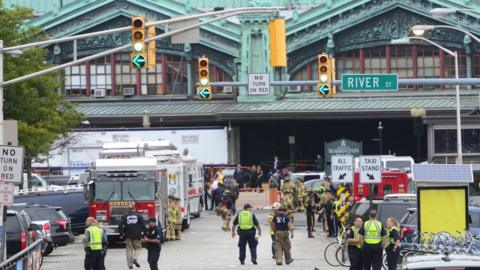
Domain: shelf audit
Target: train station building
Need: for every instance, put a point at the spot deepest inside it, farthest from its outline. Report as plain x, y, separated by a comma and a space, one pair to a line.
291, 122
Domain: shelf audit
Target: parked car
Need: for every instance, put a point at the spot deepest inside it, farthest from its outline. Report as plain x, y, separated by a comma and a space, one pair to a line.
393, 205
307, 176
313, 184
20, 231
408, 223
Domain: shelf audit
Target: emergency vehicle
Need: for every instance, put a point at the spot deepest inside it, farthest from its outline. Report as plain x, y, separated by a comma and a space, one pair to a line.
392, 182
143, 174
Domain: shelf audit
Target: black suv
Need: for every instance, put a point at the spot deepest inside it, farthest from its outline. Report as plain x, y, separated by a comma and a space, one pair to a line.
21, 232
60, 229
389, 207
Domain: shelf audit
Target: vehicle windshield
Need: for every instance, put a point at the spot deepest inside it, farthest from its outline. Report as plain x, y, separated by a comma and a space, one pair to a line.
111, 191
138, 191
398, 165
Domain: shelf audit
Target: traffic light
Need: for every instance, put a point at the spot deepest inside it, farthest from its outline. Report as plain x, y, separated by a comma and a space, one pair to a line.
278, 43
151, 50
204, 90
138, 55
325, 81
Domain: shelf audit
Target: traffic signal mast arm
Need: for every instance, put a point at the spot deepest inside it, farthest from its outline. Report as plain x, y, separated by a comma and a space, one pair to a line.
232, 12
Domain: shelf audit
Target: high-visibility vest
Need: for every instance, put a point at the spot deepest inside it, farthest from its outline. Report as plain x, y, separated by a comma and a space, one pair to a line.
356, 236
95, 238
373, 230
245, 220
270, 220
390, 238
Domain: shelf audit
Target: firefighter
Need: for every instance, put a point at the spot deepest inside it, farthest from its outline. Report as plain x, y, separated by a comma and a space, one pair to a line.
178, 220
275, 207
95, 244
171, 216
300, 195
281, 226
287, 200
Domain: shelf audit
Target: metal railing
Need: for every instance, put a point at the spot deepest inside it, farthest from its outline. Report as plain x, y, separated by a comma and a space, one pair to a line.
35, 247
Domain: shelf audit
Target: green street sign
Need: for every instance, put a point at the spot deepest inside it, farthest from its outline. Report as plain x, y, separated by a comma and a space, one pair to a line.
323, 89
370, 82
138, 61
204, 93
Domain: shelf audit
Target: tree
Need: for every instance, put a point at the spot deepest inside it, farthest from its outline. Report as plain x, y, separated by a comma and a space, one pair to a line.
43, 114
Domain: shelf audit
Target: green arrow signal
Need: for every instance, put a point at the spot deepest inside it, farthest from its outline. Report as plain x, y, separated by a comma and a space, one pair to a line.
138, 61
204, 93
323, 89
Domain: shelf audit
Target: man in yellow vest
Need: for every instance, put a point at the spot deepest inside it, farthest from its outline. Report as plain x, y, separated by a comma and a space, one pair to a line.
354, 245
95, 243
246, 222
372, 235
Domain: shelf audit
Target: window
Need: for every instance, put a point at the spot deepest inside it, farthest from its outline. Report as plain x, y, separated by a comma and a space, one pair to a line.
348, 63
101, 75
446, 141
125, 76
76, 80
401, 61
450, 66
428, 62
375, 60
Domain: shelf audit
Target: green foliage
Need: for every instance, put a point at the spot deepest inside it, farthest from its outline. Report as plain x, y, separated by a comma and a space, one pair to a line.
43, 115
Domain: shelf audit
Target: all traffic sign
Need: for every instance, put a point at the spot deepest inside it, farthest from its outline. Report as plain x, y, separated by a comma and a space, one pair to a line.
138, 61
370, 169
342, 169
369, 82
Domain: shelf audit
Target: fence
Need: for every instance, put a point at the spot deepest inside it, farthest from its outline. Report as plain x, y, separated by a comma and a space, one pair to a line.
258, 197
27, 259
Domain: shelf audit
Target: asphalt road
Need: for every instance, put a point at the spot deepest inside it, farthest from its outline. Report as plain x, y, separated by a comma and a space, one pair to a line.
206, 247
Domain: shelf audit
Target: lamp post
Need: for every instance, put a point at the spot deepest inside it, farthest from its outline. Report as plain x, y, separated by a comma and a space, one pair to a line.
420, 29
441, 12
380, 138
406, 40
418, 114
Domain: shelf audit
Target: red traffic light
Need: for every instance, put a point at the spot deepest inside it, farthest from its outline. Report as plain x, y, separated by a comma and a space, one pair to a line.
203, 63
323, 59
138, 23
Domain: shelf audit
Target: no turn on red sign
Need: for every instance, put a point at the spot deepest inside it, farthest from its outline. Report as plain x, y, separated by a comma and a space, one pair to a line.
370, 169
11, 163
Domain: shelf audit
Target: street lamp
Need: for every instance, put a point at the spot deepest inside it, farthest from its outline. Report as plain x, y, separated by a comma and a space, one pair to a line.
406, 40
418, 113
420, 29
441, 12
380, 137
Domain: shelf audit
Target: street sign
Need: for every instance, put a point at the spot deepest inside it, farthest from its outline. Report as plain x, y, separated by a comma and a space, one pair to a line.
370, 169
11, 163
138, 61
340, 147
204, 93
443, 173
6, 194
342, 169
323, 89
258, 84
370, 82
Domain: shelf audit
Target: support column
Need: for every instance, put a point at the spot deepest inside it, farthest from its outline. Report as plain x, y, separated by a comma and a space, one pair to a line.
113, 74
87, 75
468, 51
187, 48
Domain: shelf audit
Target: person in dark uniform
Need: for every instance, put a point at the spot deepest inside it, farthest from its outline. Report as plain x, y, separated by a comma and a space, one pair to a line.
310, 211
372, 234
327, 205
393, 243
282, 226
354, 245
132, 228
153, 241
246, 222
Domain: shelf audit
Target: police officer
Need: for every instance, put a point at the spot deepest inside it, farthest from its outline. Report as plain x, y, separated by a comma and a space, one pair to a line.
132, 228
310, 211
275, 208
153, 240
246, 222
354, 245
393, 243
372, 233
95, 244
282, 226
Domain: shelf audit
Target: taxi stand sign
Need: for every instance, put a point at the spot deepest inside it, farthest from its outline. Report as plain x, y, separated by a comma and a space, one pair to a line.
370, 169
342, 168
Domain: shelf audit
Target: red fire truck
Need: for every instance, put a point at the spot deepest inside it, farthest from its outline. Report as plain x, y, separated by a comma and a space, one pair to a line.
392, 182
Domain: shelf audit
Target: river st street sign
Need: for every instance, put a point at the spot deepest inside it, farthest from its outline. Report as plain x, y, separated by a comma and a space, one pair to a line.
370, 82
342, 169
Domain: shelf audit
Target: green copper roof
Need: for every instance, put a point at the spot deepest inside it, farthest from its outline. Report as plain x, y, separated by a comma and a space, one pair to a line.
384, 104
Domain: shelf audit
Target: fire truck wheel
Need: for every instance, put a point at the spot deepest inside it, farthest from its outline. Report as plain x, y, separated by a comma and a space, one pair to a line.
186, 222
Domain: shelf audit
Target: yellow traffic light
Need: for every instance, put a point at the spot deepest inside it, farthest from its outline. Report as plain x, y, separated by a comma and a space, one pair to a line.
204, 90
278, 43
138, 42
324, 85
151, 50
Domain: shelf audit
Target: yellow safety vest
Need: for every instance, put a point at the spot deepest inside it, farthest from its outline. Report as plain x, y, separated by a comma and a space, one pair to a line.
356, 236
373, 230
245, 220
390, 238
95, 238
270, 220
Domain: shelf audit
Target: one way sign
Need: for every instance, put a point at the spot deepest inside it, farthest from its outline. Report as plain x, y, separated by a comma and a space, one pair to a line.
342, 169
370, 169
